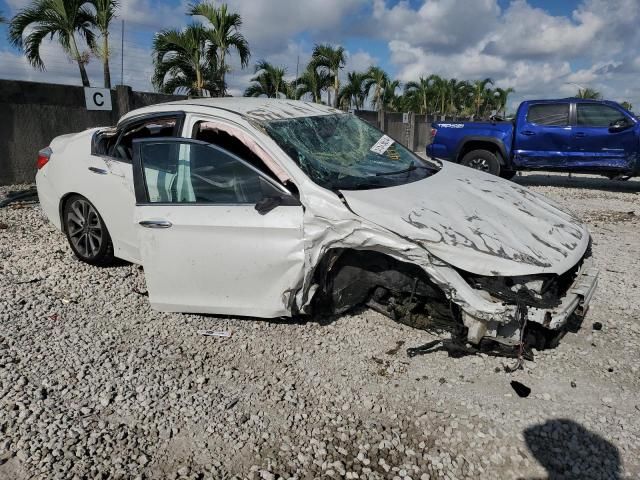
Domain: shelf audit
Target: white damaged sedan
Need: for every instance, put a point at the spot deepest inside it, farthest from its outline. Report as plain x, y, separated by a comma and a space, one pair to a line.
272, 208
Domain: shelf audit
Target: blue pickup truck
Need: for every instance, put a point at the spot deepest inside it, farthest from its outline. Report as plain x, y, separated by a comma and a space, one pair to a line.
567, 135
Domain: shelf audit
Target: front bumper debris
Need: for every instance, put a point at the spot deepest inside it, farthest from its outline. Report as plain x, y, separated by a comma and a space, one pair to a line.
576, 300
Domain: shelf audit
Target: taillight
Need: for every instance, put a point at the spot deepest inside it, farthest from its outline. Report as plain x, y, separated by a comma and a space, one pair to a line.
43, 157
433, 132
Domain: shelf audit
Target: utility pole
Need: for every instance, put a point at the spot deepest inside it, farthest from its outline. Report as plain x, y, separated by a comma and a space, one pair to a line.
297, 68
122, 55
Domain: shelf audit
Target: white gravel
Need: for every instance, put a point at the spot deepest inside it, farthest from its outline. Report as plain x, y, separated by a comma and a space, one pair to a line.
94, 384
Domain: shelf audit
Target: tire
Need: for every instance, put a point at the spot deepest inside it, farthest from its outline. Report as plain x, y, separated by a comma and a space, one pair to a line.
482, 160
86, 232
507, 174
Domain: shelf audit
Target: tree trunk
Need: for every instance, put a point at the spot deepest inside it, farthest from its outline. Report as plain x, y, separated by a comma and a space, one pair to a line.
336, 88
105, 60
223, 86
76, 54
198, 80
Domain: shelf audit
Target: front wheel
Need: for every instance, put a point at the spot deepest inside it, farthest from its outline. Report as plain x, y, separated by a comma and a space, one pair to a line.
86, 232
482, 160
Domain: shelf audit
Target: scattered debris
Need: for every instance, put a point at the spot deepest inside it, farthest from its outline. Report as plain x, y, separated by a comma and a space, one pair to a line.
54, 318
520, 388
214, 333
31, 280
30, 194
573, 384
143, 293
396, 349
3, 226
597, 326
232, 403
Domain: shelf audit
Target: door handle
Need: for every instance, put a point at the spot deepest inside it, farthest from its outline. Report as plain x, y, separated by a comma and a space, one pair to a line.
580, 134
528, 133
155, 223
99, 171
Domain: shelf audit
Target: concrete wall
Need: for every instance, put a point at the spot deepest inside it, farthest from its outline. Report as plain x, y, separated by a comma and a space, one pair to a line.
32, 114
415, 134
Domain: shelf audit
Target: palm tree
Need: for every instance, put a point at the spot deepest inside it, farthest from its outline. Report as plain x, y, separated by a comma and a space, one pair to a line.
378, 79
182, 63
269, 81
353, 93
332, 59
501, 95
62, 19
105, 13
312, 82
627, 106
480, 93
589, 93
390, 100
225, 35
419, 93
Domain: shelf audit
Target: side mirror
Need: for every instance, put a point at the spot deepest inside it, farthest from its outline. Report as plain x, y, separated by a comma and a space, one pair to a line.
619, 125
266, 204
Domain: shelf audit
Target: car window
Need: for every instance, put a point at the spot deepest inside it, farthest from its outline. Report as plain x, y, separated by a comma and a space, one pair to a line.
158, 127
550, 114
184, 172
595, 115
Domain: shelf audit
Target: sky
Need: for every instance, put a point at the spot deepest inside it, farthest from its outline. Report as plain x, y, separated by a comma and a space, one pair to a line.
541, 48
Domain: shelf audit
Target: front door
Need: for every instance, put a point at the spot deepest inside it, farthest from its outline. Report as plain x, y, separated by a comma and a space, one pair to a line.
204, 246
543, 138
597, 144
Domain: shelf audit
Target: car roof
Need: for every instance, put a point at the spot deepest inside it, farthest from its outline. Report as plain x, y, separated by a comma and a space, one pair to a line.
255, 108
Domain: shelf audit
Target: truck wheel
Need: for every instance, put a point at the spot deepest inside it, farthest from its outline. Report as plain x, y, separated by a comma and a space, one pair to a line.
482, 160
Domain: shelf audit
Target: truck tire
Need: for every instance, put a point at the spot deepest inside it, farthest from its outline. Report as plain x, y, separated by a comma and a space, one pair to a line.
482, 160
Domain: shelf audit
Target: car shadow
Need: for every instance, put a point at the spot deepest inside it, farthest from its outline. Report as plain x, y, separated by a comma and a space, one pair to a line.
579, 181
568, 451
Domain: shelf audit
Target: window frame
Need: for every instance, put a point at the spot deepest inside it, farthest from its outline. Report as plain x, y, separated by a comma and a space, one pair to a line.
138, 120
570, 112
140, 181
619, 110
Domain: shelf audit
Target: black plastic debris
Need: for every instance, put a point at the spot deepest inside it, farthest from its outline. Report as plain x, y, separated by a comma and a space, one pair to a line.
597, 326
573, 384
520, 388
31, 194
395, 349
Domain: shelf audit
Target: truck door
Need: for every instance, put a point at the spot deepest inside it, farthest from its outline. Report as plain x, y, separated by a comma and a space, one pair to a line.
543, 137
604, 138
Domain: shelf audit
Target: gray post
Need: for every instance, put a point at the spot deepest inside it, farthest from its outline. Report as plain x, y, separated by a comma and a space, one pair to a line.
411, 141
381, 124
124, 100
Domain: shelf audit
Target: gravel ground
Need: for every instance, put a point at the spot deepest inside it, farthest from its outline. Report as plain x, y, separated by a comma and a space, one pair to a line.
94, 384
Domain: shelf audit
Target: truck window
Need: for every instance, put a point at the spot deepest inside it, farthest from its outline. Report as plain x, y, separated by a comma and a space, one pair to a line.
551, 114
595, 115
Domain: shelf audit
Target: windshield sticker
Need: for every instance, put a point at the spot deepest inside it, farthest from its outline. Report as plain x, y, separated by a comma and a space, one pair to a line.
382, 145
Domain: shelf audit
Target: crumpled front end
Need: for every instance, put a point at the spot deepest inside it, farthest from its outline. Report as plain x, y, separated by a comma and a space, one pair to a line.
413, 286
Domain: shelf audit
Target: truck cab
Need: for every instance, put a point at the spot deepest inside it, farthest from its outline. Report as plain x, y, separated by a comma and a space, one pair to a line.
566, 135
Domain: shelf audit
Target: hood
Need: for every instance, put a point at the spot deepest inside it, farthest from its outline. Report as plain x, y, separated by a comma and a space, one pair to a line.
477, 222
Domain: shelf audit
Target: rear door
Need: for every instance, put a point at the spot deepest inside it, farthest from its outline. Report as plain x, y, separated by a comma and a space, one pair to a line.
204, 246
117, 200
543, 137
596, 145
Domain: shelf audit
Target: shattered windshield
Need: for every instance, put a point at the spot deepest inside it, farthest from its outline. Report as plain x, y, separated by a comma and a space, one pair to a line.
342, 152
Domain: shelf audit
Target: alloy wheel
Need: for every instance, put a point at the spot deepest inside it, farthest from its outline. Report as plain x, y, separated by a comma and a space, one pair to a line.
479, 164
84, 228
